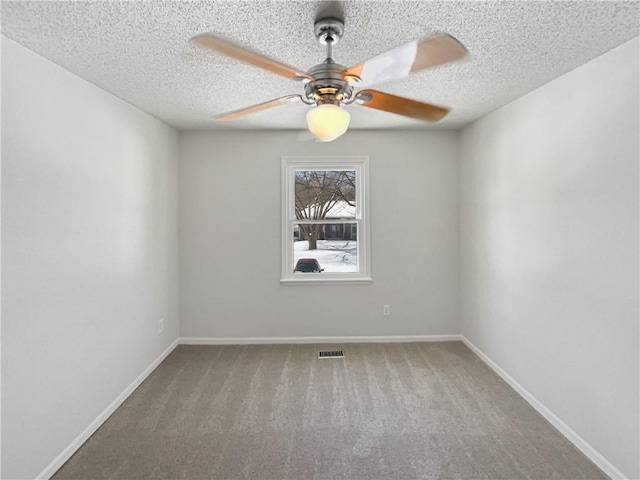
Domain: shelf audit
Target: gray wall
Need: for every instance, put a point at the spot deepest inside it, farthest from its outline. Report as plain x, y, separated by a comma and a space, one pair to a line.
89, 253
230, 238
549, 248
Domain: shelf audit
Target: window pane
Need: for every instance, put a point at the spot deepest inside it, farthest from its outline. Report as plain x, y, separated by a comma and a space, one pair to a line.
329, 246
325, 220
325, 194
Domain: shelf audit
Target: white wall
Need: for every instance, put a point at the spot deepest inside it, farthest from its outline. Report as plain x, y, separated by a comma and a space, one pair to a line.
549, 242
90, 249
548, 238
230, 238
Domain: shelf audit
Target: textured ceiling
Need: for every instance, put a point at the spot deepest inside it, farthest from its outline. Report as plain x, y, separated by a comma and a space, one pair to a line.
139, 52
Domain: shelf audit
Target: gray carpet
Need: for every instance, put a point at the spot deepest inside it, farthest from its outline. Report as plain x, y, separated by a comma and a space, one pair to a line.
402, 411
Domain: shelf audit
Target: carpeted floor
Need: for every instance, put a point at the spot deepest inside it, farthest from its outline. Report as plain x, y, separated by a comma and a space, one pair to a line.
401, 411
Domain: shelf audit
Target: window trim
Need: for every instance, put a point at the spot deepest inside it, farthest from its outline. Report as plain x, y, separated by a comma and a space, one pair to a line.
358, 163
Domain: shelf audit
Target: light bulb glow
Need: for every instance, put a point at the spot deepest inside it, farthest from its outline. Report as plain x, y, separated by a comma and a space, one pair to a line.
327, 122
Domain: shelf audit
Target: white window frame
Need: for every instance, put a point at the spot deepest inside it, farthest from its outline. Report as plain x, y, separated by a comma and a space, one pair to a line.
361, 165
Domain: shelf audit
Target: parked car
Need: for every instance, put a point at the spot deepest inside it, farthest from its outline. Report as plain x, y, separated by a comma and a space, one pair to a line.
308, 265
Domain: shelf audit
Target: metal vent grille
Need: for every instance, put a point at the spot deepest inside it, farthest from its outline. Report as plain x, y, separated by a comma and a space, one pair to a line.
331, 354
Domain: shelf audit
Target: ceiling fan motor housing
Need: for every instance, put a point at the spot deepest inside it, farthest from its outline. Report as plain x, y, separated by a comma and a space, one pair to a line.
328, 86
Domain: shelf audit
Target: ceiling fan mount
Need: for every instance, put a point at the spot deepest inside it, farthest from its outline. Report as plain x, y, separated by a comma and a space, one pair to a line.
331, 86
329, 30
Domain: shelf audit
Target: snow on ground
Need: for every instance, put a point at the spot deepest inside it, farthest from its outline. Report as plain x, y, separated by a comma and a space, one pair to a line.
332, 255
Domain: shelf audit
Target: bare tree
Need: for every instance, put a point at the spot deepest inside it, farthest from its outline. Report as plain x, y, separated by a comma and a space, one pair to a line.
317, 192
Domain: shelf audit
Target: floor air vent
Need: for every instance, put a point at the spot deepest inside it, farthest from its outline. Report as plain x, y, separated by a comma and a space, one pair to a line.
331, 354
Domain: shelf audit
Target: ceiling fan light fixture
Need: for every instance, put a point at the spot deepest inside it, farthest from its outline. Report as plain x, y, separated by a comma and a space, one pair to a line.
328, 121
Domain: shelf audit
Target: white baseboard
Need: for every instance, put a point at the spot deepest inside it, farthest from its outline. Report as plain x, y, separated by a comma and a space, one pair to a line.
596, 457
281, 340
77, 442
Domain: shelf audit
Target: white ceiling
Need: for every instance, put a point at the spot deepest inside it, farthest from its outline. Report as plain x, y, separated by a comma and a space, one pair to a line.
139, 52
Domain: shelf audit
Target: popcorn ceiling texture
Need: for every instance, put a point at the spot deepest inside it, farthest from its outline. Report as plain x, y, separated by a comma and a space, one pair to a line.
138, 51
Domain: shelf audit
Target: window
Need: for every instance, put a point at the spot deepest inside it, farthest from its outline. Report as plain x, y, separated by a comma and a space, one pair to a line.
325, 231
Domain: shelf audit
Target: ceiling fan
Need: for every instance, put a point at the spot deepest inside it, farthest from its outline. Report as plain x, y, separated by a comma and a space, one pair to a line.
331, 86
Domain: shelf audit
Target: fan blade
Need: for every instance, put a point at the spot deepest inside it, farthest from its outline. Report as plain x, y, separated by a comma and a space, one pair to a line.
258, 108
400, 105
410, 57
217, 44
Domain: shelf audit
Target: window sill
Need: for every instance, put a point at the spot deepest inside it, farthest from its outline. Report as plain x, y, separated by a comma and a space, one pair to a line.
326, 281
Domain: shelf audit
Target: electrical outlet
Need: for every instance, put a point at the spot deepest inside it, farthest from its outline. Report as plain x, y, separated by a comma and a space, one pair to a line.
161, 325
386, 310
